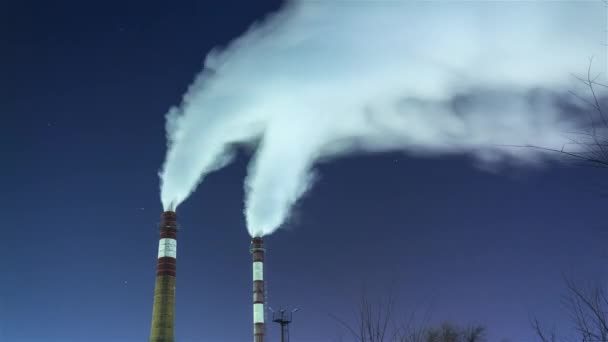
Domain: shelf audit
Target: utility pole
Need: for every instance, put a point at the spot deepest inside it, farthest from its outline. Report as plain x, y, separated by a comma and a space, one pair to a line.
283, 318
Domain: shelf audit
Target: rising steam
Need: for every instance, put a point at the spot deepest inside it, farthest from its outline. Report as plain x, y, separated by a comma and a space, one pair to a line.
321, 79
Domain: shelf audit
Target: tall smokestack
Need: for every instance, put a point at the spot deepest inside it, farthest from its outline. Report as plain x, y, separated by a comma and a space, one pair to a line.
163, 312
257, 251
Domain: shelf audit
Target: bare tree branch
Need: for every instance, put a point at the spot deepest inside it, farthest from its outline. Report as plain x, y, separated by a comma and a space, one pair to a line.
590, 146
541, 333
376, 322
588, 310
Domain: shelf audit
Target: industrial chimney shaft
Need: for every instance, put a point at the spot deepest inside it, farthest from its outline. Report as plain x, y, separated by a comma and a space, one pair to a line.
257, 251
163, 311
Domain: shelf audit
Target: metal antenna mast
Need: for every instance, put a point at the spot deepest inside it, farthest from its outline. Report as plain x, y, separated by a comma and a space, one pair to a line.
283, 318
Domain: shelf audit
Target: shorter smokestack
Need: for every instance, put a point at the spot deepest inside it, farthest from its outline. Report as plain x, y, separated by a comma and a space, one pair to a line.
257, 252
163, 311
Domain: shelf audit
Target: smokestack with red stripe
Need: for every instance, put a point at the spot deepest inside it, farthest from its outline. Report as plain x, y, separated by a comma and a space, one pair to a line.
163, 312
257, 251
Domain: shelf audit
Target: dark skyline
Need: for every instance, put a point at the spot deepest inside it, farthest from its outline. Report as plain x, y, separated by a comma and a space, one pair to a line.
84, 91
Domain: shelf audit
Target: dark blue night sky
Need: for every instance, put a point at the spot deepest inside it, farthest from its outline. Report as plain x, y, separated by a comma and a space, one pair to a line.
84, 89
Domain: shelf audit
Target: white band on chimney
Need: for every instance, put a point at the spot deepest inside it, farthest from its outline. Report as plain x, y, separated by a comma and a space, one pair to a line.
167, 248
258, 313
258, 270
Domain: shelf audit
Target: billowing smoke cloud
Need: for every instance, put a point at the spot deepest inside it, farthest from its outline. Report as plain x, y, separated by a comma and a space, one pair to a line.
321, 79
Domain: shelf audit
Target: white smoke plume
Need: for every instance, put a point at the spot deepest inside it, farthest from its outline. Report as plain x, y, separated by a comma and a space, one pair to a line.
321, 79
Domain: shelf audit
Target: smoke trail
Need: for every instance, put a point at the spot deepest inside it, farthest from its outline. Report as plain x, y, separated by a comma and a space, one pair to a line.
321, 79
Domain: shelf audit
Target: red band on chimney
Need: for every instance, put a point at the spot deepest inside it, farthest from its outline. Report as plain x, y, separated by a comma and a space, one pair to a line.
168, 233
